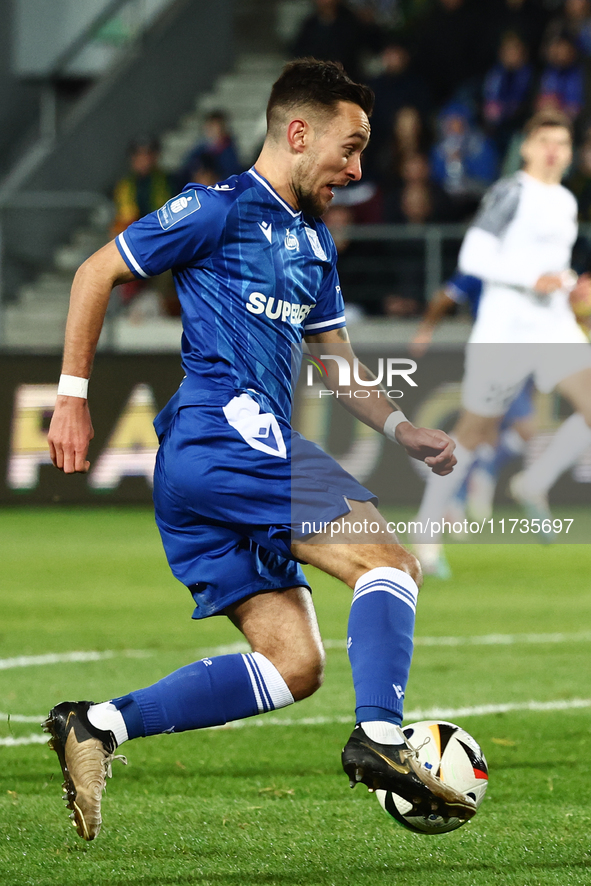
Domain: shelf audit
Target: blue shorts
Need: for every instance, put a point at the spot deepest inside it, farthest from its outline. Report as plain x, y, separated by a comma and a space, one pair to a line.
231, 489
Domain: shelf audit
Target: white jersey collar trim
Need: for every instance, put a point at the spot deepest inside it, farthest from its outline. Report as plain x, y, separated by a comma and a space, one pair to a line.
273, 193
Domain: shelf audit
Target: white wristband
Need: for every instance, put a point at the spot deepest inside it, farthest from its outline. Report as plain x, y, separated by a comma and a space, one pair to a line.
392, 423
72, 386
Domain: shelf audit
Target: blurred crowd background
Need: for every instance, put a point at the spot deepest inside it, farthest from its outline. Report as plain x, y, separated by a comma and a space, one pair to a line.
454, 82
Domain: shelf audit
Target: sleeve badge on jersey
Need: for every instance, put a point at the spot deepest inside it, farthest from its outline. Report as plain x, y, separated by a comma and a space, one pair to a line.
178, 208
316, 244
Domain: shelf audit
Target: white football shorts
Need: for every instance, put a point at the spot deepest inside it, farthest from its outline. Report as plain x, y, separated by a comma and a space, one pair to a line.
495, 373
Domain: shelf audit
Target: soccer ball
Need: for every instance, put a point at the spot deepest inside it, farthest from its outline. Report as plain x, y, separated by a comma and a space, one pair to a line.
455, 757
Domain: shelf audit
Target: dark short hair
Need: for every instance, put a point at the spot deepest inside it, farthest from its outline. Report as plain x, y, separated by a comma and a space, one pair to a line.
548, 117
320, 84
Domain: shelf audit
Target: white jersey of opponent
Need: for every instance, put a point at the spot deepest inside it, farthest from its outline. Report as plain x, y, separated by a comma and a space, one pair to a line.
524, 229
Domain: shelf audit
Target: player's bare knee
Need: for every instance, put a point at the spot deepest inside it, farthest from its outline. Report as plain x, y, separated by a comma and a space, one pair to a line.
412, 566
307, 683
370, 557
402, 559
305, 674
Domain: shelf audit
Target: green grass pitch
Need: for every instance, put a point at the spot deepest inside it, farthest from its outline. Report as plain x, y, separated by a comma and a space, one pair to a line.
267, 803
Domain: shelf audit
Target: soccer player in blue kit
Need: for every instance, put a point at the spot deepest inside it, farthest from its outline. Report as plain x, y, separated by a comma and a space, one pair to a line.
255, 273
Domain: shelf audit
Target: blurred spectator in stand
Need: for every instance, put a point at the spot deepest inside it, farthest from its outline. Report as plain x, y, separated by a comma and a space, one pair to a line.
386, 13
205, 171
363, 272
580, 180
528, 18
562, 83
398, 86
464, 161
408, 137
415, 174
396, 305
365, 199
217, 145
333, 32
416, 207
507, 91
409, 132
452, 47
145, 189
576, 22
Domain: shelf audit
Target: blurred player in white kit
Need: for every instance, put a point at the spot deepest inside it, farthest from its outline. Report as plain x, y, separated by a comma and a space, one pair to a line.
520, 245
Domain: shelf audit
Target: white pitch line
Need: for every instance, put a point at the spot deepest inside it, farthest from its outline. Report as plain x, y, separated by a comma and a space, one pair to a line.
504, 639
422, 714
12, 742
28, 661
20, 718
411, 716
25, 661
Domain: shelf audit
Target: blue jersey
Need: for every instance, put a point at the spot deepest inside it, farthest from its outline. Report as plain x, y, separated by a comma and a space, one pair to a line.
253, 276
464, 288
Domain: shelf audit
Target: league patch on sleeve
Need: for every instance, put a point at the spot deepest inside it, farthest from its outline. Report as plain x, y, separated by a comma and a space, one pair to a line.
178, 208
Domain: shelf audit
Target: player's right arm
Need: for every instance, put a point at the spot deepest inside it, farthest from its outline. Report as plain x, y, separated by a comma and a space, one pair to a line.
71, 430
184, 230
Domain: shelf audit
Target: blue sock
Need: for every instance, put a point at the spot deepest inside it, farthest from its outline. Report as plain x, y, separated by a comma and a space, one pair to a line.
510, 446
209, 692
380, 642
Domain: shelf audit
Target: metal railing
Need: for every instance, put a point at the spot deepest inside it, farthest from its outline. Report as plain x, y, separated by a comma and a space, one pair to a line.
433, 236
17, 213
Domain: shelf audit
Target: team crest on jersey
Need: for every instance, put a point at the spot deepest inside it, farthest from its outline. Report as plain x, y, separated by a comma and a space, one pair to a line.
315, 244
177, 208
291, 241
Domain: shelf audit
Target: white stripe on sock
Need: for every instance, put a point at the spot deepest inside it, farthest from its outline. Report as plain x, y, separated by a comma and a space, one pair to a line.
392, 581
385, 585
255, 688
387, 590
261, 683
274, 682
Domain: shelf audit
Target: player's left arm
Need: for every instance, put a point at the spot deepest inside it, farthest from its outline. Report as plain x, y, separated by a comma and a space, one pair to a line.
433, 447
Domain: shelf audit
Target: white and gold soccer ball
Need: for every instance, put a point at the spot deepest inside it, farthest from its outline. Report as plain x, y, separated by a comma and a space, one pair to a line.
451, 754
